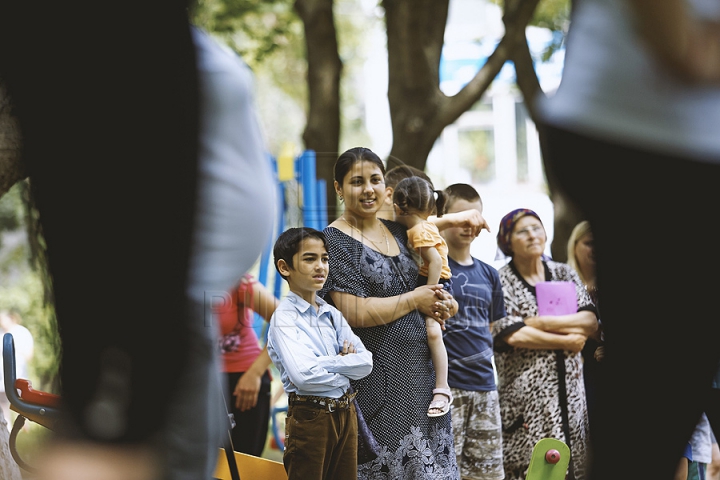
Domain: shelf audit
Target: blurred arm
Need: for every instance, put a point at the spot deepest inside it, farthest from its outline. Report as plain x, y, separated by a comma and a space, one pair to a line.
688, 48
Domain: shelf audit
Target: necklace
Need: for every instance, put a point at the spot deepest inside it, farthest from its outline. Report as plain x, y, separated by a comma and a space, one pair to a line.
382, 228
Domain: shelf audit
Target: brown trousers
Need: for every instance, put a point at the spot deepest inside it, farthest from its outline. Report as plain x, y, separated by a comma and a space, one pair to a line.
320, 445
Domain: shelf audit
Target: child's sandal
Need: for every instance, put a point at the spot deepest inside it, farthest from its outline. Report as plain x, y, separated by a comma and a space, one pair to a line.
438, 408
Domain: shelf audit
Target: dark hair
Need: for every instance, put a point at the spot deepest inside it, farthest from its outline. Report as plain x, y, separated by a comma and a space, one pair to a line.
288, 244
461, 191
350, 157
395, 174
415, 193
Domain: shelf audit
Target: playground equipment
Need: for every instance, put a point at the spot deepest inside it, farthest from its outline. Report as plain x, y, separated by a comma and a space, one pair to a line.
43, 409
302, 201
549, 461
249, 467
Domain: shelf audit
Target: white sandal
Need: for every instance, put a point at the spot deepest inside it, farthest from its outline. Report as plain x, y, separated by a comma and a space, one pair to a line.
442, 405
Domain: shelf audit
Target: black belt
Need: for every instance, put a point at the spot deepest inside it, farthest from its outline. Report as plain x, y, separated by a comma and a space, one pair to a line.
326, 403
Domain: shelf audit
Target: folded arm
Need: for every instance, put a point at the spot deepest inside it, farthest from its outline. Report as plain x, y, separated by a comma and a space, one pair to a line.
533, 338
301, 364
584, 322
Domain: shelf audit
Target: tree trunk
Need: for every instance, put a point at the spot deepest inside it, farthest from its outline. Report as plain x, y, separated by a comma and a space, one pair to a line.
419, 110
9, 469
565, 213
322, 131
415, 31
11, 168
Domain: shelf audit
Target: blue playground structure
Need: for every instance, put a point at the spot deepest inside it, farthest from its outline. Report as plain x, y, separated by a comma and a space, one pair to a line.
302, 201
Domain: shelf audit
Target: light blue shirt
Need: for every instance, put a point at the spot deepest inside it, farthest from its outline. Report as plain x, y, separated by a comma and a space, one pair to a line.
304, 344
701, 441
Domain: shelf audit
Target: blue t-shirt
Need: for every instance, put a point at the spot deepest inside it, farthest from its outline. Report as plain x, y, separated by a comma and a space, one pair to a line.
467, 337
688, 452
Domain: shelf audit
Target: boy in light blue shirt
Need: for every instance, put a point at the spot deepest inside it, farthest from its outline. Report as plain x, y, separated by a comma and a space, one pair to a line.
317, 354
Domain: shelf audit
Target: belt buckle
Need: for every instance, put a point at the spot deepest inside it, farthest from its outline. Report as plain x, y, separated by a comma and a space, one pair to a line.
329, 407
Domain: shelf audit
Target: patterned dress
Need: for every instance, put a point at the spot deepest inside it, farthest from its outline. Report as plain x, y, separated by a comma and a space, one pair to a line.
395, 396
542, 392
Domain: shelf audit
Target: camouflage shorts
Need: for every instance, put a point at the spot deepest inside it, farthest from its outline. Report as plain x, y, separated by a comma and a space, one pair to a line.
478, 434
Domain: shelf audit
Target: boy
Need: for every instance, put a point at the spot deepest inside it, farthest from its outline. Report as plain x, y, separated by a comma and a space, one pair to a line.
468, 341
317, 355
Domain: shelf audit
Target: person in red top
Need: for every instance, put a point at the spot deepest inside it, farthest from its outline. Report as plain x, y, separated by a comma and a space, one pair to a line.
245, 363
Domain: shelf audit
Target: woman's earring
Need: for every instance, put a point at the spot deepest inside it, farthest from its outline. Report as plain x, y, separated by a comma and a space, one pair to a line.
340, 197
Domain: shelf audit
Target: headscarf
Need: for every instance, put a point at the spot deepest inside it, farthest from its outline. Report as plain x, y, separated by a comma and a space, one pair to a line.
507, 225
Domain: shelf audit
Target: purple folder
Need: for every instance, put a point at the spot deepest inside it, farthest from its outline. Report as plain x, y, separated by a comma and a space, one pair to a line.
556, 298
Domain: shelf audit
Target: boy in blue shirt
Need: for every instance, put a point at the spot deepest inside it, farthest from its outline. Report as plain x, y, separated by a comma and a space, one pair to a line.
476, 286
317, 354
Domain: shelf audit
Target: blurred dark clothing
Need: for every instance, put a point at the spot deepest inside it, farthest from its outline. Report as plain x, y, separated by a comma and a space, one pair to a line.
107, 100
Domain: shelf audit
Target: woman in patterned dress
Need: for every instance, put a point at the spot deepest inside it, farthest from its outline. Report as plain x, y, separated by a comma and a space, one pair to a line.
372, 281
538, 359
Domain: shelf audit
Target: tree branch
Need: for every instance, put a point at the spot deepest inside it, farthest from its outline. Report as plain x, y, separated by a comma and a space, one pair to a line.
516, 18
527, 79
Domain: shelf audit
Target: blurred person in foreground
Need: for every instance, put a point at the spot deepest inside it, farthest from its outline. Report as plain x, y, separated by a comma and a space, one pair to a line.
144, 156
634, 123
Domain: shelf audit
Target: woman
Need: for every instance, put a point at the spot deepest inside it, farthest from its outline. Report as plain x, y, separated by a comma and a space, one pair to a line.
246, 363
538, 357
372, 281
581, 257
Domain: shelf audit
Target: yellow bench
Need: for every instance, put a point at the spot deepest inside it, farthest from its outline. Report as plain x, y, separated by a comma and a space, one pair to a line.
250, 468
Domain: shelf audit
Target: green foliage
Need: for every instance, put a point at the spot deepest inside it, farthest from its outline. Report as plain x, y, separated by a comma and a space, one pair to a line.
25, 283
11, 212
29, 440
26, 295
270, 37
253, 29
553, 15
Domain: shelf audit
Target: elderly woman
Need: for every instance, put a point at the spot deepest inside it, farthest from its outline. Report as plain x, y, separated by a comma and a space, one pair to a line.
538, 359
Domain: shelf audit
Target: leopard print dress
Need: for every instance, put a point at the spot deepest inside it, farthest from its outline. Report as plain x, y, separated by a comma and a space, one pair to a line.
542, 393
